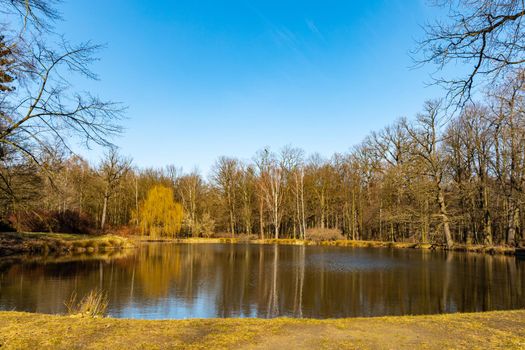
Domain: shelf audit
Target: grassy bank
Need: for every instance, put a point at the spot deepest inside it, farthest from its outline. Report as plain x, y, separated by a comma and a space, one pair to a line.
58, 243
504, 330
339, 243
62, 243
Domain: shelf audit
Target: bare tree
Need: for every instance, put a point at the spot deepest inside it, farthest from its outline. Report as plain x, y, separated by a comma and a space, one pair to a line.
225, 176
36, 15
426, 139
40, 110
189, 188
509, 148
488, 35
247, 189
391, 147
319, 181
113, 168
46, 110
271, 185
294, 166
469, 144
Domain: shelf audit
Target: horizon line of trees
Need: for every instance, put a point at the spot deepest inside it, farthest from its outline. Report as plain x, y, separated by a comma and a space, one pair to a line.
434, 179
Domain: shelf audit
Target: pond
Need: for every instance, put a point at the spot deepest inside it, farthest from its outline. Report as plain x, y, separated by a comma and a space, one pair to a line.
175, 281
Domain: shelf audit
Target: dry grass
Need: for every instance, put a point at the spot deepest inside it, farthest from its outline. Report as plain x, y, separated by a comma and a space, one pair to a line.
94, 304
491, 330
332, 242
58, 243
324, 234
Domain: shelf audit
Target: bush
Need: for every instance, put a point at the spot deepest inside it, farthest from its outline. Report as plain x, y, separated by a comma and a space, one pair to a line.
223, 234
125, 231
247, 237
6, 226
31, 221
323, 234
205, 227
68, 221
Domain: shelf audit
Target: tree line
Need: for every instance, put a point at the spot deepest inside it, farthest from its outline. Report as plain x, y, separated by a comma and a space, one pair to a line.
431, 179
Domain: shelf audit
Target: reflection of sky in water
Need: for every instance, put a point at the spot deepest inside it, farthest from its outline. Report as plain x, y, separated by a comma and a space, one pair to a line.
169, 307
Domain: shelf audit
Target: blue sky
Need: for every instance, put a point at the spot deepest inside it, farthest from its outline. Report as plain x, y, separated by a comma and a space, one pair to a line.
207, 78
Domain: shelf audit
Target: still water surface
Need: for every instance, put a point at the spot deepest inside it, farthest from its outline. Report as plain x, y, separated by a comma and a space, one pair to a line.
160, 281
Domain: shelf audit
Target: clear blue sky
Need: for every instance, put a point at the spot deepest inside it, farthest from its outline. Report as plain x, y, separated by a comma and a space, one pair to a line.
209, 78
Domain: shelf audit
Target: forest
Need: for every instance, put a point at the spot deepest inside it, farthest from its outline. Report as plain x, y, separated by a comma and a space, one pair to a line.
454, 173
428, 179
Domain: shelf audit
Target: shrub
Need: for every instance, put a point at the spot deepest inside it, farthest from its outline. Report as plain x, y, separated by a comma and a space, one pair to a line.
222, 234
6, 226
247, 237
125, 231
94, 304
323, 234
205, 227
69, 221
31, 221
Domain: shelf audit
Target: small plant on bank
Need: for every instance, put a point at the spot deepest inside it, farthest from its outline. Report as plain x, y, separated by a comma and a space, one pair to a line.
94, 304
323, 234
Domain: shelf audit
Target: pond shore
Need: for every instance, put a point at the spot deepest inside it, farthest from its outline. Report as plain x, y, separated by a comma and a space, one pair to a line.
17, 243
494, 330
505, 250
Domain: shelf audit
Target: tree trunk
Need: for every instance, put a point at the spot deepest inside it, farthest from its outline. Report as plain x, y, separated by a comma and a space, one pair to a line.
513, 222
232, 224
487, 220
261, 218
303, 218
276, 224
444, 216
276, 215
322, 202
137, 201
104, 210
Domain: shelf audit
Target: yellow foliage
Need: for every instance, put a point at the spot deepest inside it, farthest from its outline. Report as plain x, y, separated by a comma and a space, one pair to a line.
159, 214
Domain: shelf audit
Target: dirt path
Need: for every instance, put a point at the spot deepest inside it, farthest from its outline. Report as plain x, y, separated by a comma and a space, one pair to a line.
469, 331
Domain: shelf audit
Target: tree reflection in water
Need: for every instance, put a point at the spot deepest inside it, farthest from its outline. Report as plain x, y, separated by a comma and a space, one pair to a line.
162, 280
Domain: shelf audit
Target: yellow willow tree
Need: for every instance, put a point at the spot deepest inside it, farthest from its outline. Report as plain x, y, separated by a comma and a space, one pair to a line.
159, 214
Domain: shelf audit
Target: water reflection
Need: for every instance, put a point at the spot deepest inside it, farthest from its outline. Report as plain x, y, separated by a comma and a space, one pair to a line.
212, 280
